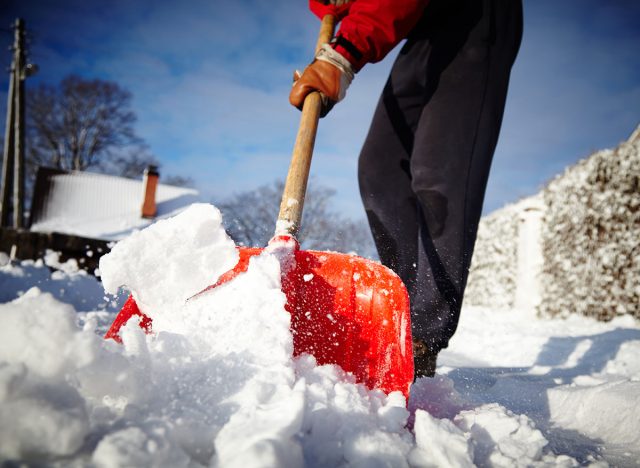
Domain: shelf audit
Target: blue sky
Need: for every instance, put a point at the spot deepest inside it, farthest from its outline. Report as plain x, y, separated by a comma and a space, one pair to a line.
210, 81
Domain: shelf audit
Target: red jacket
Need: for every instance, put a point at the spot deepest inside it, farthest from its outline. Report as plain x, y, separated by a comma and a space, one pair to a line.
373, 27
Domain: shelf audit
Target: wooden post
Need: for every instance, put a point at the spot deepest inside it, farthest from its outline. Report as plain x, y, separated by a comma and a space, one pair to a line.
19, 139
8, 153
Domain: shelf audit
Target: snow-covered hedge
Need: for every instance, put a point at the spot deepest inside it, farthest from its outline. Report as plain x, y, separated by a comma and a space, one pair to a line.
590, 240
492, 278
591, 236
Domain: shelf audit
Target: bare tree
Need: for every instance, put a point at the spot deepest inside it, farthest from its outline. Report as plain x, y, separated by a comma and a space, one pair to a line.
87, 124
179, 181
79, 124
250, 218
130, 162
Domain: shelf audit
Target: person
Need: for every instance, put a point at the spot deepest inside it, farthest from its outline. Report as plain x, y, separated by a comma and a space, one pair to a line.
424, 165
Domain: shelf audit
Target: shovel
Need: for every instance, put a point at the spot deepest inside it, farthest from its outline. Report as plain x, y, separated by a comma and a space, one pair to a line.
345, 310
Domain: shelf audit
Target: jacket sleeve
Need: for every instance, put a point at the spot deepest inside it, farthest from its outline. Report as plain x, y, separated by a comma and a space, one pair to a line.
374, 27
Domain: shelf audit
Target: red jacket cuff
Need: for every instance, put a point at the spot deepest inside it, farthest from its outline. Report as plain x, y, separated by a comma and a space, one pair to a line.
374, 27
349, 51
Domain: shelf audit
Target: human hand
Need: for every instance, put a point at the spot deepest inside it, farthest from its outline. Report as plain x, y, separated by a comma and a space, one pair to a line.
337, 8
330, 74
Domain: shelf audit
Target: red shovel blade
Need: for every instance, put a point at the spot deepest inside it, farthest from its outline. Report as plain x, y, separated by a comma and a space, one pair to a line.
345, 310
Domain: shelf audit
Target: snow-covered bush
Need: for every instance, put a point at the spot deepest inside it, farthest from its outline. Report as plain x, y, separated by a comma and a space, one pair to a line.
590, 242
591, 236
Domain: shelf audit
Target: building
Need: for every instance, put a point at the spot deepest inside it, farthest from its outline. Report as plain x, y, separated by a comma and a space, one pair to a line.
101, 206
77, 212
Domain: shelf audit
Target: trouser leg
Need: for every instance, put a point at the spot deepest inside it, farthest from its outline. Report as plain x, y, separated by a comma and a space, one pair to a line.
424, 223
384, 176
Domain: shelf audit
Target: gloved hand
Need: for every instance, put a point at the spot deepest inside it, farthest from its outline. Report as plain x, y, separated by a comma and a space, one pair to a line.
337, 8
330, 73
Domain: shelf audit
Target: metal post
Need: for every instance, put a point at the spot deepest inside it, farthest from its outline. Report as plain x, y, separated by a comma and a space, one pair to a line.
19, 141
8, 154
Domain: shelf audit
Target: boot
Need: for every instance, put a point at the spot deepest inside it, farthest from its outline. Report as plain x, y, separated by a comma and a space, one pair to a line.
424, 361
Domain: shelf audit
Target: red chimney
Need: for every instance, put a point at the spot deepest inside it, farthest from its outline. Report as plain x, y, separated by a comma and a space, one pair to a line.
150, 184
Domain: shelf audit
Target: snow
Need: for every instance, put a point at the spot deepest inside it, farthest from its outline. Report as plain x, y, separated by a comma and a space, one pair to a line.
66, 283
216, 383
197, 252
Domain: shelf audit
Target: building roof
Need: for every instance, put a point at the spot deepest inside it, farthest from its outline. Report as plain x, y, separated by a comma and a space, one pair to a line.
98, 206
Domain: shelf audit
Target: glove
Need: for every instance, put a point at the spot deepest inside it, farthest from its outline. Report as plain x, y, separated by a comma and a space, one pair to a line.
337, 8
330, 73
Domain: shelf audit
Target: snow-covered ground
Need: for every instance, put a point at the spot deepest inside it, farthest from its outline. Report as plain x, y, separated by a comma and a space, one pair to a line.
216, 384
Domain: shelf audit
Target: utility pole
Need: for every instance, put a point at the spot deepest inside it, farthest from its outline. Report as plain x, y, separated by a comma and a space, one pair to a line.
7, 165
15, 133
19, 137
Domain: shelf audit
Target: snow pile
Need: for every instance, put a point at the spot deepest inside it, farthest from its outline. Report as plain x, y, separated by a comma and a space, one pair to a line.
216, 383
586, 408
577, 379
67, 283
590, 236
171, 260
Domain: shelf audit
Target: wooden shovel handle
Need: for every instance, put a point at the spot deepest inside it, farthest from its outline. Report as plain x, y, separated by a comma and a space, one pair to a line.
296, 184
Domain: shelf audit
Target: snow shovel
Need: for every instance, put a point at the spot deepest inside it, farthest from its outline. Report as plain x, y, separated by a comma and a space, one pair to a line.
345, 309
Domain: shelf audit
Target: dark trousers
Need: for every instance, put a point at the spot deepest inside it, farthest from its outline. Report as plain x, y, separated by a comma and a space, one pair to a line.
424, 166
